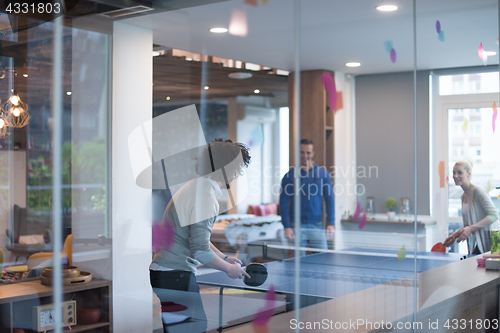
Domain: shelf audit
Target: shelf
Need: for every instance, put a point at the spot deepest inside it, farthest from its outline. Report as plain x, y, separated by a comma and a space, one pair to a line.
18, 299
400, 223
82, 328
35, 289
328, 127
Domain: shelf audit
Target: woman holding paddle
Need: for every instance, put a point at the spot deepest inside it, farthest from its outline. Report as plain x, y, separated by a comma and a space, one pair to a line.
478, 212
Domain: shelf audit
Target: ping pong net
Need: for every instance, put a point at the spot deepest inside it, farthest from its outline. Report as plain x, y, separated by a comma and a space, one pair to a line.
387, 253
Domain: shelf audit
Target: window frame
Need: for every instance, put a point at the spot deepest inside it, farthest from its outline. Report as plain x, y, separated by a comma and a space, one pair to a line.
439, 106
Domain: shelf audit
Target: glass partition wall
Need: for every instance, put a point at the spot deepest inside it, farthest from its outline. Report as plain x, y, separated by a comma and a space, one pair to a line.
115, 155
54, 187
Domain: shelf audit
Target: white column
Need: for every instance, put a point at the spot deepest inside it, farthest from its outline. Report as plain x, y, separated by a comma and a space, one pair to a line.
345, 154
131, 205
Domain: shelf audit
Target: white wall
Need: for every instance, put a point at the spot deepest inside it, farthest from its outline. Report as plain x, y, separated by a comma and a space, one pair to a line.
131, 205
385, 137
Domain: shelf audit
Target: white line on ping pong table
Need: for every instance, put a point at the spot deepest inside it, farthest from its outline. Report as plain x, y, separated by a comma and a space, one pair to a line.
389, 255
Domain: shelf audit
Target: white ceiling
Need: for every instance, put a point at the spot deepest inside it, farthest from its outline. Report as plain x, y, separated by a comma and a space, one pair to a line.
334, 32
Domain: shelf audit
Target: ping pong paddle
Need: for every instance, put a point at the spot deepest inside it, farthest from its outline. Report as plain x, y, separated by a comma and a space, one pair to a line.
258, 274
439, 247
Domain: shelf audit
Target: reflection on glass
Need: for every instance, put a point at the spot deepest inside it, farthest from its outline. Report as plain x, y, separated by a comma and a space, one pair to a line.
362, 124
27, 180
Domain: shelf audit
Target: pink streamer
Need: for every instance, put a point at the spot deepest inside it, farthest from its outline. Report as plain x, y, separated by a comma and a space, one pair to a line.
357, 212
480, 51
494, 118
329, 84
362, 223
163, 236
495, 113
393, 56
265, 313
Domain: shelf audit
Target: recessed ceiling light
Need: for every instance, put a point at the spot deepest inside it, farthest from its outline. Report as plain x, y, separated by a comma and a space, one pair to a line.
256, 91
490, 53
239, 75
282, 72
68, 93
387, 8
353, 64
25, 75
206, 87
218, 30
168, 98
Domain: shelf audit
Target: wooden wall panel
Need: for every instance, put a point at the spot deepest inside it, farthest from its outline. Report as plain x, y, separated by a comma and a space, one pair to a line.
313, 117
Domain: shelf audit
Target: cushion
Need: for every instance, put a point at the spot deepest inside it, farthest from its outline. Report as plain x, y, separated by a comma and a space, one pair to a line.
31, 239
172, 307
263, 210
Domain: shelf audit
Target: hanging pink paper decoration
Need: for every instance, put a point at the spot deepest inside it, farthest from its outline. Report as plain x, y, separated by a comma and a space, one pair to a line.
163, 235
362, 223
357, 212
480, 51
494, 118
265, 313
393, 56
329, 84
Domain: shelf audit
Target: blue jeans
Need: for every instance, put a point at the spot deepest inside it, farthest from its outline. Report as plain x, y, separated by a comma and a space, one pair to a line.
314, 234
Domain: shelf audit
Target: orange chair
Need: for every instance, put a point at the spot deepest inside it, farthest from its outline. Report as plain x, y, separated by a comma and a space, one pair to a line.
38, 258
2, 261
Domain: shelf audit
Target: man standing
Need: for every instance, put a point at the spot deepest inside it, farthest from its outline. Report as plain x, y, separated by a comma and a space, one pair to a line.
315, 185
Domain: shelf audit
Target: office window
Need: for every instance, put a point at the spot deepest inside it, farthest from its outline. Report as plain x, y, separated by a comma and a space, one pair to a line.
464, 84
477, 144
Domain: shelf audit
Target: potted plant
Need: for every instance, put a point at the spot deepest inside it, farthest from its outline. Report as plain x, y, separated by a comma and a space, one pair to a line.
390, 203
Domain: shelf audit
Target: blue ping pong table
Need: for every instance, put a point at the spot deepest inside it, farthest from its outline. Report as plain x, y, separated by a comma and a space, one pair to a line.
329, 275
